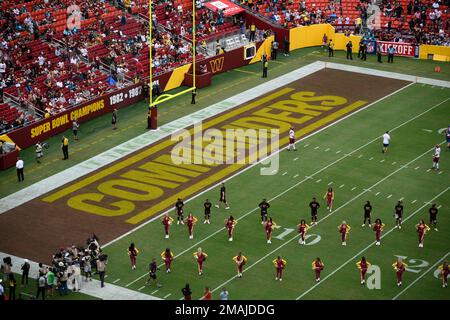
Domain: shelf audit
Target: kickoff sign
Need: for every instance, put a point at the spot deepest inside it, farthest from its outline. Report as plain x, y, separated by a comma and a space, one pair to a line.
401, 48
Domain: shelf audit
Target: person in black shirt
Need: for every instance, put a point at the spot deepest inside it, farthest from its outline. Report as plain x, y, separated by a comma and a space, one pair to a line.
179, 210
25, 272
433, 216
207, 206
349, 47
314, 205
398, 215
367, 211
264, 205
152, 273
223, 198
187, 292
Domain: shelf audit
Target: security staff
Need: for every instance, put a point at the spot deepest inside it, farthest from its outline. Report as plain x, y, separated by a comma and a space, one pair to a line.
65, 147
391, 52
349, 50
331, 49
274, 49
265, 67
252, 32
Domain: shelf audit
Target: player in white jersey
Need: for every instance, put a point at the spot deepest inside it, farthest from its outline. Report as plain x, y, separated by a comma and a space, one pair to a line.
291, 140
436, 156
386, 139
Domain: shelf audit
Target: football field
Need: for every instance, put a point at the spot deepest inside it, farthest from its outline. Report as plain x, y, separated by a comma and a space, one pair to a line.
346, 156
339, 118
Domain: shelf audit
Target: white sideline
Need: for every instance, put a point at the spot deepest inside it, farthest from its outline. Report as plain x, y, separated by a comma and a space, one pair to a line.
423, 274
327, 216
91, 288
359, 253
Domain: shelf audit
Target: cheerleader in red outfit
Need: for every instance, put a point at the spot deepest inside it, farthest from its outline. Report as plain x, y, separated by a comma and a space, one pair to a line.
229, 225
240, 261
167, 221
280, 264
190, 222
200, 256
329, 196
363, 266
302, 229
167, 257
133, 252
269, 226
317, 266
378, 228
445, 271
344, 229
399, 268
422, 229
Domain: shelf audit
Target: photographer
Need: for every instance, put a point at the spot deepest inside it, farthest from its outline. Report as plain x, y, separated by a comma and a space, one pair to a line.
101, 267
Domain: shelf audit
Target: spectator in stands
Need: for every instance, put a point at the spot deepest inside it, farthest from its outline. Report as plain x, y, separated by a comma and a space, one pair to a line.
252, 32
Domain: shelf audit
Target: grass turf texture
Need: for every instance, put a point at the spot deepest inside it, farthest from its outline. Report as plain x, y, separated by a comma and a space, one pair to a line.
97, 136
388, 181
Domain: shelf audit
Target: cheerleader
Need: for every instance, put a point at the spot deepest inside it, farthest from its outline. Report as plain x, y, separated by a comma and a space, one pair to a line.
445, 271
200, 256
190, 222
363, 265
344, 229
378, 228
422, 229
240, 261
399, 268
269, 226
229, 225
329, 196
166, 221
280, 264
317, 266
302, 229
133, 252
167, 257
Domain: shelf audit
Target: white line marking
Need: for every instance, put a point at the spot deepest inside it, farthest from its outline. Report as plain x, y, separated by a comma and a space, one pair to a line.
428, 170
341, 185
371, 158
285, 173
309, 177
440, 172
106, 276
306, 145
274, 171
339, 151
167, 295
318, 180
422, 275
376, 194
117, 280
367, 190
327, 149
401, 199
360, 156
359, 253
141, 288
439, 206
416, 167
393, 163
328, 215
353, 188
316, 148
296, 176
382, 160
295, 159
414, 201
330, 183
389, 196
155, 291
427, 130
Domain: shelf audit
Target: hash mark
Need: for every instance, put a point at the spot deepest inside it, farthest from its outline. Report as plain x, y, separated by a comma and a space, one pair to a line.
305, 145
117, 280
318, 180
316, 148
341, 185
393, 163
296, 176
353, 188
155, 291
382, 160
330, 183
360, 156
389, 196
327, 149
284, 173
167, 295
339, 151
401, 199
376, 193
295, 159
371, 158
414, 201
141, 288
440, 206
428, 170
416, 168
440, 172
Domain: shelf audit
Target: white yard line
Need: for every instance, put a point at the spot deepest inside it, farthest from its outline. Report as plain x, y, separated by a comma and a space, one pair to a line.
363, 250
422, 275
327, 216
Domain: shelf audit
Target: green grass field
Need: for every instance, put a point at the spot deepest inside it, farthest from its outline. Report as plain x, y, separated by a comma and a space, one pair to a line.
348, 155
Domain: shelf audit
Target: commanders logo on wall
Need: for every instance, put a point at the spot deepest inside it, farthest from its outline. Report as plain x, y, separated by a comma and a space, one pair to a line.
217, 64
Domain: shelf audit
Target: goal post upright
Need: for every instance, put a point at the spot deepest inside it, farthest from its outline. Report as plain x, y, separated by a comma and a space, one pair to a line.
166, 97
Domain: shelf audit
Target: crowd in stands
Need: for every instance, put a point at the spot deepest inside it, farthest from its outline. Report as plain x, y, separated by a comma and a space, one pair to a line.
68, 268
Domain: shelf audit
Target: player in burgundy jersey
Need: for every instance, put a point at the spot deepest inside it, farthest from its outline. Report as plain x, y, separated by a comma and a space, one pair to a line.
280, 264
190, 222
167, 221
200, 256
399, 268
240, 261
422, 229
317, 266
363, 265
445, 271
378, 228
167, 257
329, 196
229, 225
302, 229
344, 229
133, 253
269, 226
